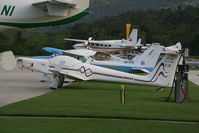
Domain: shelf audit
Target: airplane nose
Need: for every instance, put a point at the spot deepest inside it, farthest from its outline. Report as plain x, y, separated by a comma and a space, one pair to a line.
79, 46
19, 62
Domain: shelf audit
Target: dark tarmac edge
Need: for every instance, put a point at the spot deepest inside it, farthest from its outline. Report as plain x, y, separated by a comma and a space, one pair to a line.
101, 118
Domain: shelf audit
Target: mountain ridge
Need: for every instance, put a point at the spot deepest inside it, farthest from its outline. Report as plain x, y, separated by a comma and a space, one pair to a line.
105, 8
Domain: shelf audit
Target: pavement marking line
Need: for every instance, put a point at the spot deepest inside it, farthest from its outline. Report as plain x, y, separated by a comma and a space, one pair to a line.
101, 118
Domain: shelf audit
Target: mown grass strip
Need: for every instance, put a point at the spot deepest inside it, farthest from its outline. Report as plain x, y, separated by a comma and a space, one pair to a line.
32, 125
93, 99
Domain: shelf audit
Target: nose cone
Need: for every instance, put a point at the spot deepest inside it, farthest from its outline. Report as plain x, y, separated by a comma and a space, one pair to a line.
19, 59
24, 62
19, 62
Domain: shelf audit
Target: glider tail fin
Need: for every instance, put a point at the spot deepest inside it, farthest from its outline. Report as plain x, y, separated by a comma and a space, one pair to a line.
164, 72
133, 36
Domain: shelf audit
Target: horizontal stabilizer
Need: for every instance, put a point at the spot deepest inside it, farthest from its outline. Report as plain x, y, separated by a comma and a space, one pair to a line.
56, 7
173, 49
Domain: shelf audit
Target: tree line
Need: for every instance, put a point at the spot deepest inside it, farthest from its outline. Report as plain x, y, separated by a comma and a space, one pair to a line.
165, 26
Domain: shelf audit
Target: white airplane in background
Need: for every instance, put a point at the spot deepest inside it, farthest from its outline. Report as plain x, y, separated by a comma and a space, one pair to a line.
40, 13
109, 45
7, 61
66, 67
144, 62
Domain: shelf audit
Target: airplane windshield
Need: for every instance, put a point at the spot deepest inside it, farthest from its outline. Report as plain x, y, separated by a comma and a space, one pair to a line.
80, 58
102, 56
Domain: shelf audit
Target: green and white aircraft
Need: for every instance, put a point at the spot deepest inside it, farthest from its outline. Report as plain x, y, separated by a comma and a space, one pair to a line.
40, 13
37, 13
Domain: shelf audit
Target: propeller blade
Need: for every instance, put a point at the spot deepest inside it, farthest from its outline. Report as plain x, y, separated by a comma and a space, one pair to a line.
7, 61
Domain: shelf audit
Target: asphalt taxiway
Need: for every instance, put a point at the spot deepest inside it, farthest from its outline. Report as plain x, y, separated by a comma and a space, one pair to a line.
194, 76
18, 85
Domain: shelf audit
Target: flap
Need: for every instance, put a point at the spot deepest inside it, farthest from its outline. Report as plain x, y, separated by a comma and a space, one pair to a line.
68, 3
56, 7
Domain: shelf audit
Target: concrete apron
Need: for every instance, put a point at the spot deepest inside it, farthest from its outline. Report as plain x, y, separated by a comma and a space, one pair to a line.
18, 85
194, 76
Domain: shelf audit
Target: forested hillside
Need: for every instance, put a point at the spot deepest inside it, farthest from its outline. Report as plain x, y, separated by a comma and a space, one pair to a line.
102, 8
166, 26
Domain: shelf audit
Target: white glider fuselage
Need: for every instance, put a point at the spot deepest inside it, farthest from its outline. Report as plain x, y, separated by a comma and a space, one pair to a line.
161, 76
37, 13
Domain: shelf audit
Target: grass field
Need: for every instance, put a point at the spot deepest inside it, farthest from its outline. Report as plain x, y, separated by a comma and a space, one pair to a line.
196, 57
102, 100
194, 68
32, 125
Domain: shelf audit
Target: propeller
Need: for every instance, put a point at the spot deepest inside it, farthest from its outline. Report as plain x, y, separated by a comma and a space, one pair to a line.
7, 61
87, 42
19, 63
